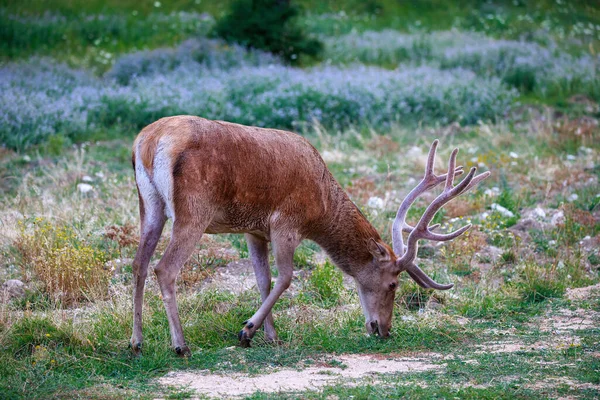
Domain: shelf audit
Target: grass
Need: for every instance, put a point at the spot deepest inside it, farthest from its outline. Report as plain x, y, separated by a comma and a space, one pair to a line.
513, 274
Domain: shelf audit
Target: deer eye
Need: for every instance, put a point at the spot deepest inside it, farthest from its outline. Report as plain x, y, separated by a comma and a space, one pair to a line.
393, 286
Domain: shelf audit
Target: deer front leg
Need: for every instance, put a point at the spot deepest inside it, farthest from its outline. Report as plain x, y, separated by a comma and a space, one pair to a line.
259, 254
180, 248
283, 248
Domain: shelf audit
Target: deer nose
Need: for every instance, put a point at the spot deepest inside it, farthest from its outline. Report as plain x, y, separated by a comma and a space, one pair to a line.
374, 328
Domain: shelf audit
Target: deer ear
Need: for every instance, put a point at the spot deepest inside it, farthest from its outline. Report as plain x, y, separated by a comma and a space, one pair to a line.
378, 251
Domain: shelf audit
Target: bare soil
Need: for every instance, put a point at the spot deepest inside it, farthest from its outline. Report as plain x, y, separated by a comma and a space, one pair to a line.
349, 370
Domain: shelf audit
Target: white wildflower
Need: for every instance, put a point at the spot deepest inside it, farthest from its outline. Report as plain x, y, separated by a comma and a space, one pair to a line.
376, 202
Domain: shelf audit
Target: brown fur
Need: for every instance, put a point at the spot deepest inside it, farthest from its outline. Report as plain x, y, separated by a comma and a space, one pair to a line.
241, 176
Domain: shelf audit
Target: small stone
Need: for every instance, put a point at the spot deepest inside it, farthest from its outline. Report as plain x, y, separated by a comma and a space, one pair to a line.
502, 210
87, 178
13, 288
85, 188
557, 218
539, 212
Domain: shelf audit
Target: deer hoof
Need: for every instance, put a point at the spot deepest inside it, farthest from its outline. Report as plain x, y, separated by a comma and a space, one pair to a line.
183, 351
244, 338
136, 348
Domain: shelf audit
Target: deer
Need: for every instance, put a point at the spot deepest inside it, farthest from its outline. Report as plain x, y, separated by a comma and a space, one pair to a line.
272, 186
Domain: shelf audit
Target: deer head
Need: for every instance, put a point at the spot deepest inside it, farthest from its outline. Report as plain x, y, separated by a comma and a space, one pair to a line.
377, 281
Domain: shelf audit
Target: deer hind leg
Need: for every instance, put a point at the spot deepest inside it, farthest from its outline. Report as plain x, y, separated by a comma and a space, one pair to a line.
284, 245
183, 240
152, 221
259, 254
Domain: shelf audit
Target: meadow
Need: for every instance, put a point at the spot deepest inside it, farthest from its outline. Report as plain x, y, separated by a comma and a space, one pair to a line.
514, 85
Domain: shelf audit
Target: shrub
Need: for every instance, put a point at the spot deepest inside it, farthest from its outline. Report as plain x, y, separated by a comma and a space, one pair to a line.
210, 54
527, 66
268, 25
41, 98
69, 267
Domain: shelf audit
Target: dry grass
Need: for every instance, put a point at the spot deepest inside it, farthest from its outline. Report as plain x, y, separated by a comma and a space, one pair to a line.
70, 269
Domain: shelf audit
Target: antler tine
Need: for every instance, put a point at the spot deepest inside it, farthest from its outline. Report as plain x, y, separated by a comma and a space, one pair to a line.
431, 158
451, 165
425, 281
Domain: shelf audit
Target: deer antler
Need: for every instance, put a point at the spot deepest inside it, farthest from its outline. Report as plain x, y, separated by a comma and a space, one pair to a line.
422, 230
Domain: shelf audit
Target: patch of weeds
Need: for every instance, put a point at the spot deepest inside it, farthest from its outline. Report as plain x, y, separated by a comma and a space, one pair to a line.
56, 144
325, 284
594, 259
34, 300
506, 199
577, 224
508, 257
542, 241
70, 268
537, 283
124, 237
504, 239
30, 335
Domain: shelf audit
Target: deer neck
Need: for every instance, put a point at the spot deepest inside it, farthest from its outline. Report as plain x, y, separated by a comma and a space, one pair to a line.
344, 236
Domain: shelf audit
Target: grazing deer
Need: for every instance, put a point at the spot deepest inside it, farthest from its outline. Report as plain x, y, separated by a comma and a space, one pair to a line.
273, 186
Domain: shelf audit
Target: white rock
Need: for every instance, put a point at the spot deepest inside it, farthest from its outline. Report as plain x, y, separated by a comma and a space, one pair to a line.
539, 212
85, 188
87, 178
572, 197
571, 157
502, 210
512, 154
13, 288
99, 175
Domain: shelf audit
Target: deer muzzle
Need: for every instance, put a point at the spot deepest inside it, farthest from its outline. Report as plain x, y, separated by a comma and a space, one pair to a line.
375, 328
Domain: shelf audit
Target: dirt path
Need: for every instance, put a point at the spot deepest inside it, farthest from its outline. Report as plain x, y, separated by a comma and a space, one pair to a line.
353, 369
